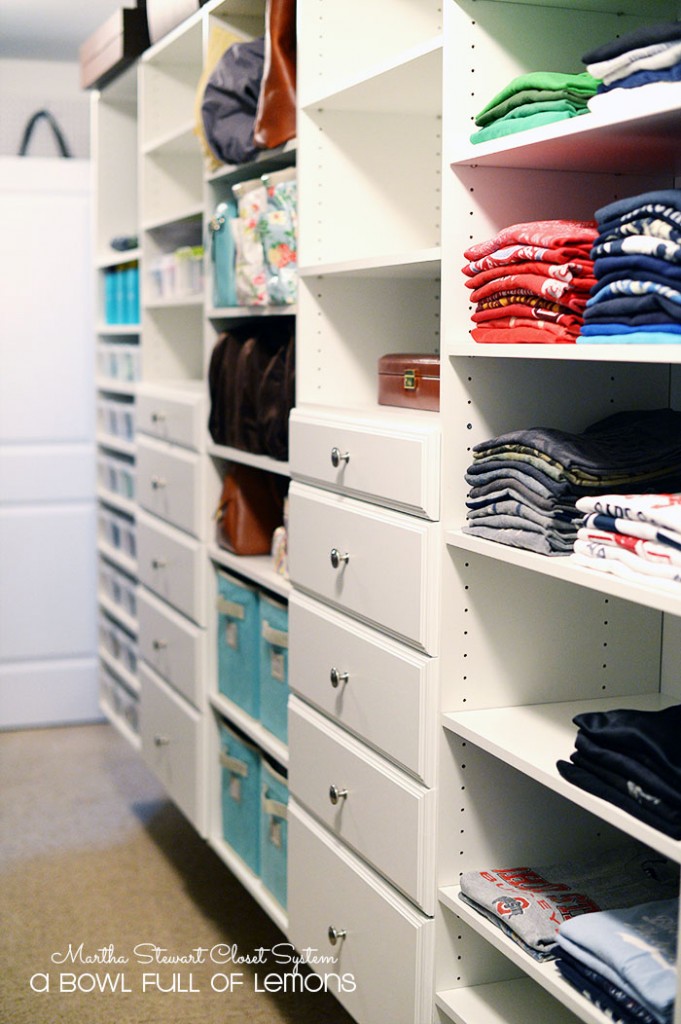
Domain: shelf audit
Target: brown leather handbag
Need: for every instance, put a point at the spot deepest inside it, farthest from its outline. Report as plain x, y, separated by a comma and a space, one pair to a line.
251, 381
251, 508
275, 119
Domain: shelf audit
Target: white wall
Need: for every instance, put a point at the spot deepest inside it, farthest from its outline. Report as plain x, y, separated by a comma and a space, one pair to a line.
30, 85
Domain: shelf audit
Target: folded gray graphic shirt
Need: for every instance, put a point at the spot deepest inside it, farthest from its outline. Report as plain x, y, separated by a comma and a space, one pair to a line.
534, 901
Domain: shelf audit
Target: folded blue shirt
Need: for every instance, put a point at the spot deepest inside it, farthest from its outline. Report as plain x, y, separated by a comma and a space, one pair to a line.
634, 948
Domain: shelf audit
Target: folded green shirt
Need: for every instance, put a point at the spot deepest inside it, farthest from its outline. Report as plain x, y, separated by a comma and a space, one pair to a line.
582, 84
508, 125
526, 96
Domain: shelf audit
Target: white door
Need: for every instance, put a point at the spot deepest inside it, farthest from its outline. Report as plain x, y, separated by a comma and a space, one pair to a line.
47, 487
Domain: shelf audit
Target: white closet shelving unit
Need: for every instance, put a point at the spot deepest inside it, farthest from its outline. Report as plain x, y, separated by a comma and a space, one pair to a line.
364, 534
529, 641
114, 148
434, 676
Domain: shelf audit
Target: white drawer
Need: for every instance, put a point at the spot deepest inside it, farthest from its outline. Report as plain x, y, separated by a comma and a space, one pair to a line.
173, 565
383, 814
390, 578
172, 645
385, 959
394, 461
177, 413
170, 732
381, 674
170, 484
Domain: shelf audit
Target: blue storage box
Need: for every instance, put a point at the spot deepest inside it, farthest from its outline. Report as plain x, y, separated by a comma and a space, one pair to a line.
274, 666
238, 642
273, 829
240, 768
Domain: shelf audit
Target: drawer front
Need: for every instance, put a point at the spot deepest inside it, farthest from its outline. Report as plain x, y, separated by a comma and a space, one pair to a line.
173, 566
384, 815
173, 415
169, 484
390, 462
390, 577
170, 732
326, 647
385, 958
172, 645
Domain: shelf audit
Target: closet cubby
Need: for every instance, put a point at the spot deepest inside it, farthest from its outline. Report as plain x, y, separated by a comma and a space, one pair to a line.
341, 338
391, 35
366, 206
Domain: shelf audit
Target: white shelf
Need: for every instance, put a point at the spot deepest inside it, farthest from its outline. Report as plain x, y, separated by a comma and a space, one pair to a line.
254, 729
545, 974
116, 329
191, 212
424, 264
518, 1001
220, 451
195, 299
532, 738
591, 142
250, 882
119, 559
114, 257
407, 84
126, 505
116, 387
668, 354
179, 141
121, 725
245, 312
116, 444
257, 568
563, 567
131, 681
119, 614
613, 6
264, 161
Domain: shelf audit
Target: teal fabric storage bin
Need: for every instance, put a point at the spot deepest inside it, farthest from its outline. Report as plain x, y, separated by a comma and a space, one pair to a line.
273, 829
274, 666
238, 642
241, 792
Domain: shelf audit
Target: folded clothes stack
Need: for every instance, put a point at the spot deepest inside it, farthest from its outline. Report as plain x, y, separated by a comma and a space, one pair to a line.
531, 282
539, 97
637, 265
529, 904
525, 484
648, 58
637, 537
624, 960
632, 759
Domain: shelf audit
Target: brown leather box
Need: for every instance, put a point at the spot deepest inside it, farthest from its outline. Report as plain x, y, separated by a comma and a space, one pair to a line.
113, 46
410, 380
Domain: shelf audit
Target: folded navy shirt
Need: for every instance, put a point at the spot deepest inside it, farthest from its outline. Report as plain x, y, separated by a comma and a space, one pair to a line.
662, 32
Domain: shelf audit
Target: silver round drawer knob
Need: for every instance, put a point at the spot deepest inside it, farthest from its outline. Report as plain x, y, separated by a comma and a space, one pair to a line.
336, 934
158, 417
158, 563
159, 645
337, 559
337, 677
157, 483
337, 456
336, 794
161, 741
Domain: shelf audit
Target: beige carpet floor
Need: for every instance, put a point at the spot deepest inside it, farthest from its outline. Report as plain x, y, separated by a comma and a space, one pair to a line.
92, 853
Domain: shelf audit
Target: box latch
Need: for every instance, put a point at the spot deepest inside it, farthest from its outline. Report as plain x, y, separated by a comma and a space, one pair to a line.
409, 380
